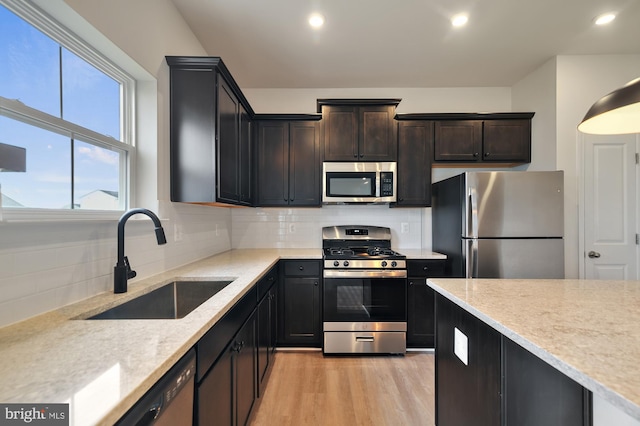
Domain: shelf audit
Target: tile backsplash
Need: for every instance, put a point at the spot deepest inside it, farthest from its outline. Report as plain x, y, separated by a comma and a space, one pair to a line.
302, 228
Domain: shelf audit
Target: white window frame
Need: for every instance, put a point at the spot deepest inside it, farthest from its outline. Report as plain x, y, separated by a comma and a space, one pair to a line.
17, 110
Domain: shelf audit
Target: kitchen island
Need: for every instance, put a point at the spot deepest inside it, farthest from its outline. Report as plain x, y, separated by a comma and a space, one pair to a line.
589, 331
101, 368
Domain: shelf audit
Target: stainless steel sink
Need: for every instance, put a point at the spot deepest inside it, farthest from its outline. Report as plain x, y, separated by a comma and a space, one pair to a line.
171, 301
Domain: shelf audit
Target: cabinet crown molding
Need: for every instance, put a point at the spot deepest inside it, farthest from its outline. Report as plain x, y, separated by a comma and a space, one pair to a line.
356, 102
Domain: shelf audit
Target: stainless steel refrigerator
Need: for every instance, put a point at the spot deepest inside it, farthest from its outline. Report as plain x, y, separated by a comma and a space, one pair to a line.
500, 224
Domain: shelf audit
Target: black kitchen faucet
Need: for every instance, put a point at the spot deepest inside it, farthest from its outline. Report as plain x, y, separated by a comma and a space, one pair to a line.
122, 271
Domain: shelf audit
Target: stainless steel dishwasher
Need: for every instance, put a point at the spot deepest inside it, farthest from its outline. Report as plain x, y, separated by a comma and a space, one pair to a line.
170, 400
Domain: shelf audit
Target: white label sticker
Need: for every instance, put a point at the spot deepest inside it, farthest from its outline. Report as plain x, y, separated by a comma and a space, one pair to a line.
461, 345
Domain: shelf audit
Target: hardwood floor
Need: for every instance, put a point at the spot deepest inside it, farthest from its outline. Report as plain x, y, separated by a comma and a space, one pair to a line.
307, 388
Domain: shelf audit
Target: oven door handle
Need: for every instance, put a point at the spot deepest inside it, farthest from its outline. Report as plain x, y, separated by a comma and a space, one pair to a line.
383, 273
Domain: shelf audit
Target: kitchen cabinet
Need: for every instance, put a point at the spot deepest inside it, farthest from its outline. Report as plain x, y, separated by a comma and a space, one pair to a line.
421, 302
226, 370
494, 138
359, 129
289, 163
267, 325
483, 377
467, 389
299, 304
415, 157
210, 133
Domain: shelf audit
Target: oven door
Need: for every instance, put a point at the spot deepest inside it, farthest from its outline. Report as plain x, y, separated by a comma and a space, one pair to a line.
365, 299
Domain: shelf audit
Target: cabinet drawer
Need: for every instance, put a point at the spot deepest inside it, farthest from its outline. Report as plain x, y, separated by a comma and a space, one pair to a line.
267, 282
302, 268
425, 268
211, 345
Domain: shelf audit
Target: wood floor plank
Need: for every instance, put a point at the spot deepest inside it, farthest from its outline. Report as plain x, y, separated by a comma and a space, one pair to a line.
307, 388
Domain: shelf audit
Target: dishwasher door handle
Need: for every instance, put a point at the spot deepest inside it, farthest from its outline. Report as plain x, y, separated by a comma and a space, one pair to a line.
365, 338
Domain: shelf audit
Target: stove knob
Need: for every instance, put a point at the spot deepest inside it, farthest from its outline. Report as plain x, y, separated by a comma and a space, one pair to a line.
346, 263
394, 264
384, 263
336, 263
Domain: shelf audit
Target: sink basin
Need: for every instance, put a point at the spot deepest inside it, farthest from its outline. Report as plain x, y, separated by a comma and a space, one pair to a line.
171, 301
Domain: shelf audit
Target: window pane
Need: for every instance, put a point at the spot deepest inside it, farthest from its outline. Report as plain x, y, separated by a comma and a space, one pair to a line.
96, 177
30, 65
47, 181
90, 98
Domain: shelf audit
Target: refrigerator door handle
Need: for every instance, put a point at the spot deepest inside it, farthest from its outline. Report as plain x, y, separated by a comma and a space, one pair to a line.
472, 258
472, 213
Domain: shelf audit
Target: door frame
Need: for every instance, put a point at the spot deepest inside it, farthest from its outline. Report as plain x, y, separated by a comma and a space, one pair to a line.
580, 149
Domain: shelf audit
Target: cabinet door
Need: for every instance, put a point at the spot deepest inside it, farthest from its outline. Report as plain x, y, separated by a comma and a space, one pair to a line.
299, 322
304, 163
245, 371
245, 162
192, 145
415, 147
215, 393
377, 136
507, 140
420, 314
228, 142
273, 160
340, 133
466, 394
538, 394
458, 140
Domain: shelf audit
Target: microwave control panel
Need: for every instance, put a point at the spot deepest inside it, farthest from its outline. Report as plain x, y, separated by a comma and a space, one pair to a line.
386, 184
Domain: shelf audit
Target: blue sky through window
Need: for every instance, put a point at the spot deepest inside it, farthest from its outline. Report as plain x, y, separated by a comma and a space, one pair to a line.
31, 64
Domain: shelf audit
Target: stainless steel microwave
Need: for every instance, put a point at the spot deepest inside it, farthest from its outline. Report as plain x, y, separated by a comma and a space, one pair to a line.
359, 183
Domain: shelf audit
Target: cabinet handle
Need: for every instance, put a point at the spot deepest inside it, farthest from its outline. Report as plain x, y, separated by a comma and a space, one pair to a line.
425, 268
410, 282
475, 154
301, 268
272, 278
315, 283
486, 154
361, 155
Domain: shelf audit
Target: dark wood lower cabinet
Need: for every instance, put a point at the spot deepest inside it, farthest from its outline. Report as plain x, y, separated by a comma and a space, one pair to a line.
501, 383
466, 394
299, 305
538, 394
421, 318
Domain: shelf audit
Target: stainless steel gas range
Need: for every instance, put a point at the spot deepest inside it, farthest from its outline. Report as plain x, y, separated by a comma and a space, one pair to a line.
364, 291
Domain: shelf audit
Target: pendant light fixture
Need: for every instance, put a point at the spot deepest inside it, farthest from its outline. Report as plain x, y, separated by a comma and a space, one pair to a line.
616, 113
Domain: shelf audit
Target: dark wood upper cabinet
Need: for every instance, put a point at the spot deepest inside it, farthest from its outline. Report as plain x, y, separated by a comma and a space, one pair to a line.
415, 156
288, 163
487, 138
359, 129
210, 135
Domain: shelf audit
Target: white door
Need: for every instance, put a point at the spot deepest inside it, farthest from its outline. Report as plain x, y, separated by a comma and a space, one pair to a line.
610, 207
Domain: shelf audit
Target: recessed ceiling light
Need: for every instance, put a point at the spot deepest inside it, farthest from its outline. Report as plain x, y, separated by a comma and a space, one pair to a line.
459, 20
316, 20
605, 19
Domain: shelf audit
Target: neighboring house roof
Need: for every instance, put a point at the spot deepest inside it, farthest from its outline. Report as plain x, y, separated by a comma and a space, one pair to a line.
9, 202
114, 194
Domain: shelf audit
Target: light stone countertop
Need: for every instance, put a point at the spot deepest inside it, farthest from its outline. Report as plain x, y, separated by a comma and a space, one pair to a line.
588, 330
421, 254
102, 367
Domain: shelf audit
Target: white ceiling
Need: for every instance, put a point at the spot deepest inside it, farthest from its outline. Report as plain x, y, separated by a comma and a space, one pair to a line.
403, 43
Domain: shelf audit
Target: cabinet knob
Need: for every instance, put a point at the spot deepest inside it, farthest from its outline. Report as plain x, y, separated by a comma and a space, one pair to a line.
301, 268
475, 154
315, 283
486, 154
410, 282
361, 155
425, 268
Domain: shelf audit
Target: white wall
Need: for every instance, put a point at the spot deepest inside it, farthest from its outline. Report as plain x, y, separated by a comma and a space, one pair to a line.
581, 80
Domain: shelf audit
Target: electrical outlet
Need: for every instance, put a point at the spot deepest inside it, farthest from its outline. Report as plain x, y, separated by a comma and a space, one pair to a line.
405, 228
